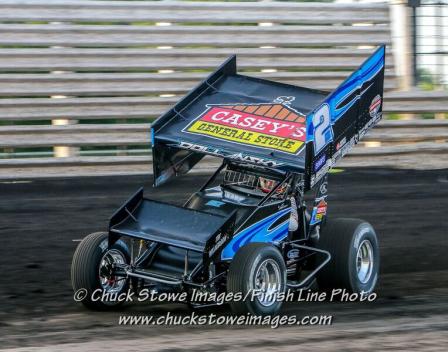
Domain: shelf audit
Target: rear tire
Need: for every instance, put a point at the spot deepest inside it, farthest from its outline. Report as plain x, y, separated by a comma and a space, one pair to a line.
355, 261
87, 275
260, 267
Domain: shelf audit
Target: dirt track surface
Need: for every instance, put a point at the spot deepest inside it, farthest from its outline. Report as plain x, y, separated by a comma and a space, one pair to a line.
41, 219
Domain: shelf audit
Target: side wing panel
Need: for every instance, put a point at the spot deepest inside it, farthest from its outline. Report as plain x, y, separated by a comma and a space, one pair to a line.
345, 116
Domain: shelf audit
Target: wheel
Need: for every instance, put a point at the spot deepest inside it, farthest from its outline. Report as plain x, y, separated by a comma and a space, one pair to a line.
355, 261
92, 270
258, 271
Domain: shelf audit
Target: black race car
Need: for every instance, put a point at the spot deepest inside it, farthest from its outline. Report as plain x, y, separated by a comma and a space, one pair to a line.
259, 224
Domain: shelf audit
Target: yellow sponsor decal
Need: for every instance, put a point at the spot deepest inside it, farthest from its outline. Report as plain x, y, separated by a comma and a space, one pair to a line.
245, 137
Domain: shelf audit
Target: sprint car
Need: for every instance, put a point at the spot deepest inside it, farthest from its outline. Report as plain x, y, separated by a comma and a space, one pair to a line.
259, 224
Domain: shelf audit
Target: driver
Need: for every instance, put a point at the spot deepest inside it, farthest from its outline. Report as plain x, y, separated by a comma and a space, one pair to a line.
267, 185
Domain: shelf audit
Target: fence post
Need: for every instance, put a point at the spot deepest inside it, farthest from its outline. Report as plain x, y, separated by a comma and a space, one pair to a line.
401, 43
413, 4
402, 46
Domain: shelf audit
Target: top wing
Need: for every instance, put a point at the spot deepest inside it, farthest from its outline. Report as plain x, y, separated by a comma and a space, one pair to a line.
275, 125
235, 117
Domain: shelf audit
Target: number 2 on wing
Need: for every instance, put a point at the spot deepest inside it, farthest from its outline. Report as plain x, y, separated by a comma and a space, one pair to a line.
323, 133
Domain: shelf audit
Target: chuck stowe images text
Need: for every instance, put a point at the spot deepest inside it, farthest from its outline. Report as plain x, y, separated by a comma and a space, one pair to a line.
203, 297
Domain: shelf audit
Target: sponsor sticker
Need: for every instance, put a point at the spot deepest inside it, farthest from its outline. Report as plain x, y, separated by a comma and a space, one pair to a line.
319, 212
341, 143
323, 188
219, 242
273, 126
215, 203
375, 106
293, 253
320, 162
234, 156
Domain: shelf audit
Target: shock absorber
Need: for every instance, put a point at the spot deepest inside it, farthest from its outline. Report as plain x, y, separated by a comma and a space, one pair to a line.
293, 218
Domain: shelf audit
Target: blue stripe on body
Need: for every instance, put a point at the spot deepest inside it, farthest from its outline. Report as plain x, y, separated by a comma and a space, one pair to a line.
258, 232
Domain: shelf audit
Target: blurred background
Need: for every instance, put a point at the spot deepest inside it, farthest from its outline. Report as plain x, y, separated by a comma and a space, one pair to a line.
81, 80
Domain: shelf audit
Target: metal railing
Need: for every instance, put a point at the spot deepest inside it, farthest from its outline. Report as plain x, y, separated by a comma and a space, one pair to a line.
431, 44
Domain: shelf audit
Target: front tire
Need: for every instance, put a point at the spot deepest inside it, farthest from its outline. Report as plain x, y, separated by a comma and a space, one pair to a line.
91, 270
355, 259
258, 271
